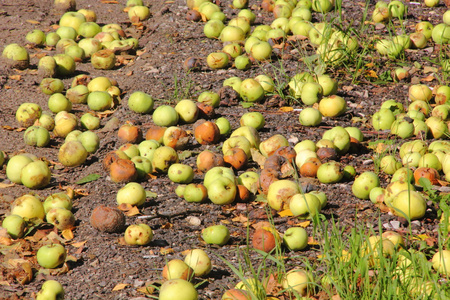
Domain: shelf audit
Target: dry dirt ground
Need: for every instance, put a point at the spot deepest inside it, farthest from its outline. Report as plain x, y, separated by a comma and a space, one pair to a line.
166, 40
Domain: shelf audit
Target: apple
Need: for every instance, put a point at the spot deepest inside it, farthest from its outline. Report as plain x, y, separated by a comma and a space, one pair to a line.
47, 69
441, 33
254, 119
310, 116
425, 27
51, 289
418, 40
250, 180
305, 144
251, 90
395, 188
364, 183
420, 92
376, 195
28, 207
165, 115
163, 157
72, 154
404, 174
216, 234
103, 59
100, 83
332, 106
195, 193
210, 98
179, 289
295, 238
269, 146
217, 60
430, 160
224, 126
61, 200
27, 113
217, 172
61, 218
147, 148
442, 95
138, 13
78, 94
15, 165
265, 239
402, 128
16, 56
330, 172
421, 106
397, 9
213, 28
431, 3
280, 191
222, 191
207, 9
261, 51
298, 281
441, 261
199, 261
36, 37
187, 110
302, 156
389, 164
250, 133
51, 256
36, 175
234, 83
140, 234
340, 138
177, 269
231, 34
383, 119
236, 294
180, 173
99, 100
132, 193
437, 127
51, 39
88, 29
36, 136
15, 226
304, 205
409, 204
322, 6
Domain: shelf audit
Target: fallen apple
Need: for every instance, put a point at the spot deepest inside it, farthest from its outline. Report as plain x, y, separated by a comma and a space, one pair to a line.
72, 154
132, 193
295, 238
51, 256
364, 183
177, 289
15, 226
35, 175
138, 234
51, 289
195, 193
199, 261
107, 219
279, 193
216, 234
409, 204
330, 172
61, 218
177, 269
304, 205
165, 115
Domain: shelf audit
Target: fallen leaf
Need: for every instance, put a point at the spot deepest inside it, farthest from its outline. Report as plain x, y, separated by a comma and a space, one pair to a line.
262, 224
150, 194
88, 178
5, 241
148, 289
286, 109
241, 219
133, 212
4, 283
165, 251
312, 241
67, 234
167, 226
34, 22
258, 157
120, 286
125, 206
286, 213
16, 77
5, 185
304, 224
428, 78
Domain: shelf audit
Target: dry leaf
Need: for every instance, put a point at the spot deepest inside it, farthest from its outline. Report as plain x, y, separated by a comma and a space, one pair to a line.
286, 109
428, 78
258, 157
34, 22
286, 213
148, 289
5, 185
67, 234
125, 206
287, 170
241, 218
4, 283
5, 241
372, 73
15, 77
262, 224
132, 212
304, 224
167, 226
120, 286
312, 241
165, 251
369, 65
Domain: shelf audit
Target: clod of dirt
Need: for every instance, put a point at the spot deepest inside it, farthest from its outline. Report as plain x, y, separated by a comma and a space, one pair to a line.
107, 219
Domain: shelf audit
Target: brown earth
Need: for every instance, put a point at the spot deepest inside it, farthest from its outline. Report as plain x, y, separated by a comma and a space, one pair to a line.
166, 40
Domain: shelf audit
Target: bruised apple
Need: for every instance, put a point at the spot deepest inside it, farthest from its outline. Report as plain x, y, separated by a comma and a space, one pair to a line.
177, 269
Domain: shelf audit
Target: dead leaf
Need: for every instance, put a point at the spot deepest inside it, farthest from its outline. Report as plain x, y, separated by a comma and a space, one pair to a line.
125, 206
167, 226
262, 224
67, 234
258, 157
5, 241
286, 109
15, 77
5, 185
120, 286
241, 219
148, 289
371, 73
34, 22
428, 78
4, 283
287, 170
165, 251
312, 241
286, 213
304, 224
133, 212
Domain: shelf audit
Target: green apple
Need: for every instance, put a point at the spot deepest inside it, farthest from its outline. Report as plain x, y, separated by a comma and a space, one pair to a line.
61, 218
187, 111
179, 289
51, 289
389, 164
441, 261
295, 238
51, 256
304, 205
310, 116
180, 173
15, 226
330, 172
216, 234
195, 193
163, 157
36, 175
272, 144
177, 269
254, 119
199, 261
222, 191
409, 204
364, 183
60, 199
279, 193
28, 207
132, 193
165, 115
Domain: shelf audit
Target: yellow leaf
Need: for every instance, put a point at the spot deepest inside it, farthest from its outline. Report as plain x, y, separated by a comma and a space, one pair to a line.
67, 234
286, 213
304, 224
5, 185
125, 206
4, 283
33, 22
312, 241
428, 78
165, 251
369, 65
421, 237
372, 73
286, 109
132, 212
120, 286
79, 244
258, 157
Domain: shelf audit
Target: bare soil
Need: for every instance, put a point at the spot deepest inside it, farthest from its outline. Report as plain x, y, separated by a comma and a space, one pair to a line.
166, 40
